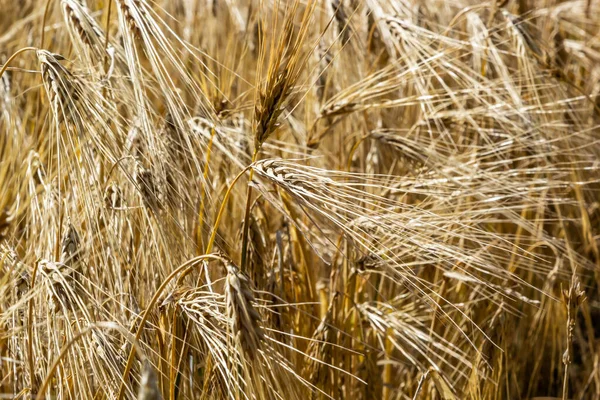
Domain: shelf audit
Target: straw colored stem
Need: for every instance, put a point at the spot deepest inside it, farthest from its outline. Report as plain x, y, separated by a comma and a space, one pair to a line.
247, 216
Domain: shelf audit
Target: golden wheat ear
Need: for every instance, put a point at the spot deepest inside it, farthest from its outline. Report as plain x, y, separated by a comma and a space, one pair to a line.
244, 318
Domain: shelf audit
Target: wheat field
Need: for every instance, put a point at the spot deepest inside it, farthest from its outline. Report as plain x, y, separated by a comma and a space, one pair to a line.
299, 199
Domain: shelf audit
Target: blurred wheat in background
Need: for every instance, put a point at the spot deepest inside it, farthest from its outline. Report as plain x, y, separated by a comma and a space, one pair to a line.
299, 199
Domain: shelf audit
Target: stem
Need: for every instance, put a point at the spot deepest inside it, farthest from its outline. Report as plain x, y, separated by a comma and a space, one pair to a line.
44, 18
565, 383
173, 370
203, 190
43, 34
30, 329
106, 36
213, 235
24, 49
247, 217
65, 349
353, 150
188, 265
387, 368
107, 29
